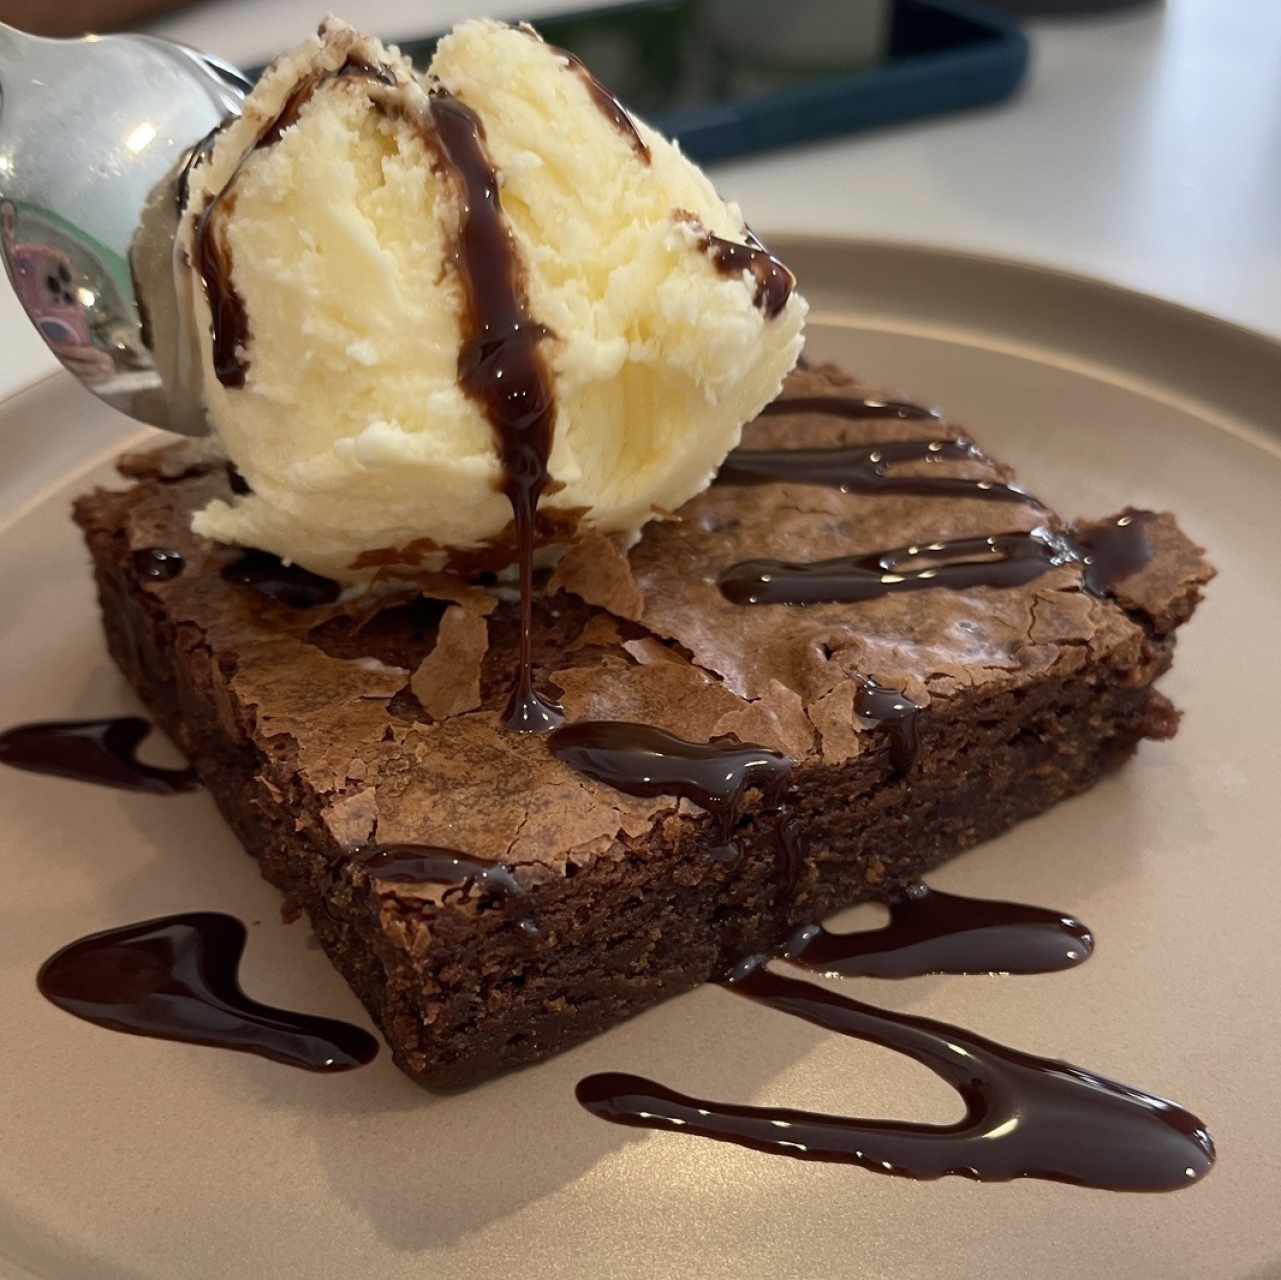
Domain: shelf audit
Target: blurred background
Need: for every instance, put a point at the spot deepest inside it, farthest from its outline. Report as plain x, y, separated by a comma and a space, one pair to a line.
1140, 142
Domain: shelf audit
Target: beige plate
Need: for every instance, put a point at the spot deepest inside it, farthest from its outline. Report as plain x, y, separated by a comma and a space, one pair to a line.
130, 1157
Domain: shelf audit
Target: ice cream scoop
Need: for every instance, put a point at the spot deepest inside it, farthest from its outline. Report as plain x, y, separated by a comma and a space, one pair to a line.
437, 304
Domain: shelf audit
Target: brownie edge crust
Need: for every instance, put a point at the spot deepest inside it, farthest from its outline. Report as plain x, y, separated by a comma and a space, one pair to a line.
322, 731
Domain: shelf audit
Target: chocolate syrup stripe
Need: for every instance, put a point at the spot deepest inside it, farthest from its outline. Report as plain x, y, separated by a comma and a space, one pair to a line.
641, 760
1108, 553
774, 282
501, 366
864, 468
103, 752
998, 560
1025, 1116
428, 864
230, 320
855, 407
934, 932
176, 978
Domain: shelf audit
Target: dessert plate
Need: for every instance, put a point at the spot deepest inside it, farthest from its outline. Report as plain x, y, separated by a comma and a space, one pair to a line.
125, 1157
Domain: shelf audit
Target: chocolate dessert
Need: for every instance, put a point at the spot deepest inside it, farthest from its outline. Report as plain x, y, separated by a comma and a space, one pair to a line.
733, 765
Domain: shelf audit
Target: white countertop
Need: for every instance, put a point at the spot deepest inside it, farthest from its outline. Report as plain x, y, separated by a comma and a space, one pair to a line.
1144, 149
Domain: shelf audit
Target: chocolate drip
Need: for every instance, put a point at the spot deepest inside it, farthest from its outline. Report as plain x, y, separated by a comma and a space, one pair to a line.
158, 563
609, 106
502, 367
1113, 550
287, 584
774, 282
176, 978
230, 320
641, 760
933, 932
97, 751
856, 407
1025, 1116
864, 468
427, 864
195, 157
897, 712
360, 68
1000, 560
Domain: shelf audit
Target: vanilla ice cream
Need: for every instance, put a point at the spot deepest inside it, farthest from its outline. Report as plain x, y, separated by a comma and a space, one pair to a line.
323, 237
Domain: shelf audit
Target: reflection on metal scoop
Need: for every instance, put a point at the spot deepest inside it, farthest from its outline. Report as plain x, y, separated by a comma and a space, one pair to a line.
93, 133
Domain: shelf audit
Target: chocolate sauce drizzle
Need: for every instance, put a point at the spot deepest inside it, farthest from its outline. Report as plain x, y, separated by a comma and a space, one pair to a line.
287, 584
1026, 1116
641, 760
999, 560
158, 563
194, 159
176, 978
230, 320
774, 282
1114, 549
501, 366
864, 468
934, 932
99, 751
427, 864
897, 712
856, 407
609, 106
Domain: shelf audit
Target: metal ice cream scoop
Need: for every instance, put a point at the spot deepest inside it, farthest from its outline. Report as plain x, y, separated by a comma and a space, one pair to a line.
92, 135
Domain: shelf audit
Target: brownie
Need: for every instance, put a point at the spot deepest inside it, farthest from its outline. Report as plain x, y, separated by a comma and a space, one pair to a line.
355, 725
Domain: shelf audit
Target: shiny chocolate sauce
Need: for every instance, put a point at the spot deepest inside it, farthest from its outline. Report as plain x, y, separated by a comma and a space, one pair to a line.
103, 752
774, 282
230, 320
1025, 1116
855, 407
502, 366
641, 760
464, 873
608, 105
194, 158
176, 978
999, 560
934, 932
897, 712
158, 563
865, 468
1114, 549
287, 584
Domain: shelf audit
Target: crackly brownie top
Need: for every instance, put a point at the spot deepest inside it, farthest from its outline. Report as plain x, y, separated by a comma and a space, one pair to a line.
387, 708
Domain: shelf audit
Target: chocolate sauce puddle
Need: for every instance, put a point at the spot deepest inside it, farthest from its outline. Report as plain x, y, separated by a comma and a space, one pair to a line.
934, 932
999, 560
158, 563
856, 407
501, 366
287, 584
1025, 1116
865, 468
1114, 549
428, 864
641, 760
175, 978
102, 752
